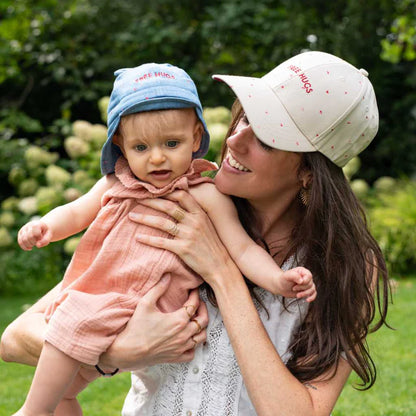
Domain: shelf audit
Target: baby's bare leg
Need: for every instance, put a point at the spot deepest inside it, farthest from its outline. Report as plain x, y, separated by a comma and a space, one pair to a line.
69, 405
54, 372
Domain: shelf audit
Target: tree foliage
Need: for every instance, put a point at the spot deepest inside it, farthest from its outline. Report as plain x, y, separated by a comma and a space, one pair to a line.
57, 58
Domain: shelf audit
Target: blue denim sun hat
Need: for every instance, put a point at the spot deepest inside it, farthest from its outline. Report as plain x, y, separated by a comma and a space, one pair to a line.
144, 88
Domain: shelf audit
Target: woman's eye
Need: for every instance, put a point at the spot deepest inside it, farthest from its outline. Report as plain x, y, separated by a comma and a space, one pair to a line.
266, 147
172, 143
141, 147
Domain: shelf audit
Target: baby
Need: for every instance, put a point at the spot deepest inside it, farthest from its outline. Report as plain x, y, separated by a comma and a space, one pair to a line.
156, 135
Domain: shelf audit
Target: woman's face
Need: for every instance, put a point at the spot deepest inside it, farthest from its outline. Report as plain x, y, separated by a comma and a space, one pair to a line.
257, 172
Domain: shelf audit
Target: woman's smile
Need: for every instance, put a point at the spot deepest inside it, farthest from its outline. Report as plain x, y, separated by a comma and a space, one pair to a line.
235, 164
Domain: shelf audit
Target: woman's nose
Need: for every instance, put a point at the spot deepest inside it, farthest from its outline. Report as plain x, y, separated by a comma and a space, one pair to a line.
240, 138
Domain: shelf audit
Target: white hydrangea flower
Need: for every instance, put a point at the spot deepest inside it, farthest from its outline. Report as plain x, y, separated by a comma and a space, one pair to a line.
5, 238
219, 114
10, 204
81, 129
217, 132
57, 176
102, 106
28, 187
71, 194
7, 219
80, 176
76, 147
98, 135
47, 198
385, 184
35, 156
71, 245
360, 187
28, 206
352, 167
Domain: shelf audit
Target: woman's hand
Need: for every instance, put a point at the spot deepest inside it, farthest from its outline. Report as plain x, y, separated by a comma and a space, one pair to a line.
153, 337
195, 240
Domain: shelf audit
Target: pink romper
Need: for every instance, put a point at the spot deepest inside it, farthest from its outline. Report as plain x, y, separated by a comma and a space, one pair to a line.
110, 270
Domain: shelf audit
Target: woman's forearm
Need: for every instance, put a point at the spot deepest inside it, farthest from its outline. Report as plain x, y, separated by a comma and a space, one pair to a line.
22, 340
271, 387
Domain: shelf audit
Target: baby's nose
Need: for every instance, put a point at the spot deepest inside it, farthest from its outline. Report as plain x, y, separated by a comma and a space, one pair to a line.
157, 156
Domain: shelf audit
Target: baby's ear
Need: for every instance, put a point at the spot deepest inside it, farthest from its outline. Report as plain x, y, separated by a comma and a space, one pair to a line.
198, 131
118, 140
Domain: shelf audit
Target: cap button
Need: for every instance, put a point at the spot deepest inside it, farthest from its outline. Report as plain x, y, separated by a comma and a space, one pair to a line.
364, 72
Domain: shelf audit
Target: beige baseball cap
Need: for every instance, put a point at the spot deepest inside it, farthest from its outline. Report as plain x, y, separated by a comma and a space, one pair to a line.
313, 102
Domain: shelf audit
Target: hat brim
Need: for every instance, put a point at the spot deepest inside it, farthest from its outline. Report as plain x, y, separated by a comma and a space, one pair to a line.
266, 114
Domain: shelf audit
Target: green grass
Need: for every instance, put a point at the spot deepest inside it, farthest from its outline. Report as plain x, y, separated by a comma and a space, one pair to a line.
394, 352
395, 355
104, 397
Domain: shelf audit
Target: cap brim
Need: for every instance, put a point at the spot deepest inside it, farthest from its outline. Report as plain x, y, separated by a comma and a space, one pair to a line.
268, 117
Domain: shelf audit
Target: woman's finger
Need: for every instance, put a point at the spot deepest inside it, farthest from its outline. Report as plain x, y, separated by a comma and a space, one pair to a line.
160, 223
169, 207
185, 200
156, 292
160, 242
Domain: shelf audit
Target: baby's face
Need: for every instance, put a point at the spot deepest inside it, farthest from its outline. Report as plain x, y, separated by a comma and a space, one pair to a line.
159, 144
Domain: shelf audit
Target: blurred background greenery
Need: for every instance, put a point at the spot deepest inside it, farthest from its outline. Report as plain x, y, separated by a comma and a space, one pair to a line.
57, 60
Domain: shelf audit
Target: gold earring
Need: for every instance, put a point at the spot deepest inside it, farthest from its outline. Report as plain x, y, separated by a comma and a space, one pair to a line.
304, 196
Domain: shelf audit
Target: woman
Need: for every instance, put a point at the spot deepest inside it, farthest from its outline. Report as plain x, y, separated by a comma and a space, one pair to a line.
264, 355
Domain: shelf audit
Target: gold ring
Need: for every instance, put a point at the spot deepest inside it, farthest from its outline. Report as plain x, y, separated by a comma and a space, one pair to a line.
193, 339
190, 315
199, 327
174, 230
178, 214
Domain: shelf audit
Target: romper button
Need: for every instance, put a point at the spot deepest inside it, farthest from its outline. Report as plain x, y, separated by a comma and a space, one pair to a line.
195, 370
188, 413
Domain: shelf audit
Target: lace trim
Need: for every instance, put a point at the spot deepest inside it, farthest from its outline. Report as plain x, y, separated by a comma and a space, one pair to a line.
221, 378
169, 398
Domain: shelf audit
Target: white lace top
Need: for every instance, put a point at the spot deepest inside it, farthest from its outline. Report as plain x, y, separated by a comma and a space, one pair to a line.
211, 384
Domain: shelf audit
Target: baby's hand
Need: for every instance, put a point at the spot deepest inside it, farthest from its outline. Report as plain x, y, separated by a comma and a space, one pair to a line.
298, 283
34, 233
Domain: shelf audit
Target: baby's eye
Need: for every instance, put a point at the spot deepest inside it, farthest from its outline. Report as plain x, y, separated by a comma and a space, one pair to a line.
141, 147
172, 143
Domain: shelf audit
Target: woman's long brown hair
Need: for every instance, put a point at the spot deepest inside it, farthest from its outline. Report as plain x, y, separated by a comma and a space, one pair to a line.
349, 271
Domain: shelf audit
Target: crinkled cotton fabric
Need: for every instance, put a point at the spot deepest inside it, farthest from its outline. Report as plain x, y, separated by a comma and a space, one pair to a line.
212, 384
110, 270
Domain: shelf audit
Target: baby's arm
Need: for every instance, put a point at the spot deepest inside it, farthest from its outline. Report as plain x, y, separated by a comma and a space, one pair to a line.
253, 261
65, 220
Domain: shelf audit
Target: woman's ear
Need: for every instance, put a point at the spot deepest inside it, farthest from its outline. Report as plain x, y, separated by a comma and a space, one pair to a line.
198, 132
306, 178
